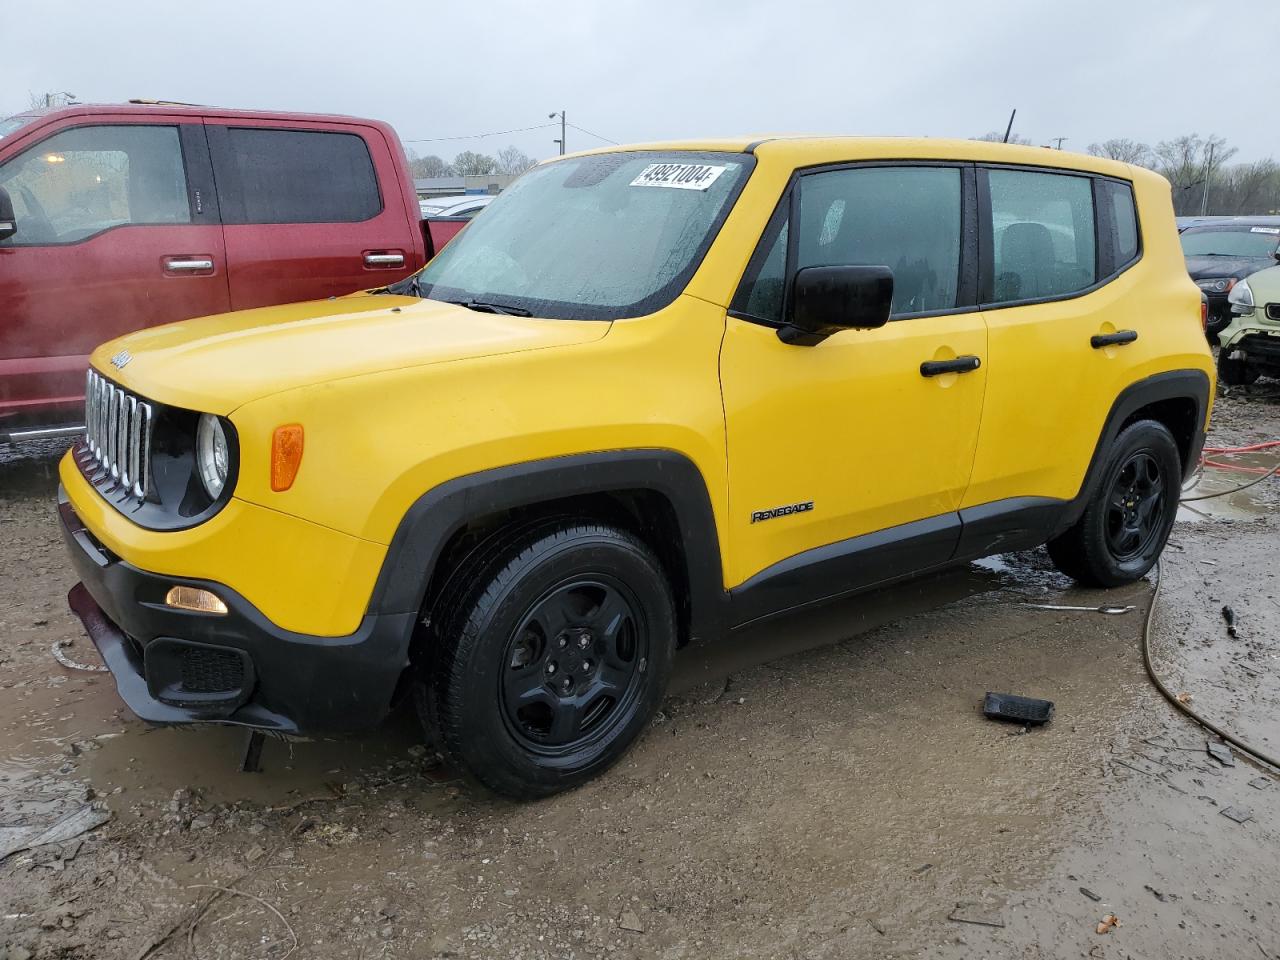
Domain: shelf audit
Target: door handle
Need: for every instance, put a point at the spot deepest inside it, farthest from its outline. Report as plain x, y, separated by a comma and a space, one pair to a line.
188, 264
1117, 339
384, 259
965, 364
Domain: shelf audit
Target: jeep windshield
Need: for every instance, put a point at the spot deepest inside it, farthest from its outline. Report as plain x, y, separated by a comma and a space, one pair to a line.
1236, 242
597, 237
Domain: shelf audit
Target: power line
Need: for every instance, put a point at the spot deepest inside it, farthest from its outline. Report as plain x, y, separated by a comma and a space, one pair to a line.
590, 134
480, 136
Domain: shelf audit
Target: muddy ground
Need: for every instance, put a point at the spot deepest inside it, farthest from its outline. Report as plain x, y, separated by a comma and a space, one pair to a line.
824, 787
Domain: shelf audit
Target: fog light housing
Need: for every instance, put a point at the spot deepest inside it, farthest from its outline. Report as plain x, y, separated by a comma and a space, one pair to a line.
195, 600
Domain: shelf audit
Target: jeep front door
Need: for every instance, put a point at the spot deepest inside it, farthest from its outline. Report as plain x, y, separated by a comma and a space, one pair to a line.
848, 460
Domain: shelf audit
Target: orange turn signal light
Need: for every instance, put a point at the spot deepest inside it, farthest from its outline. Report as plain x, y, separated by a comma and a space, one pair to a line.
286, 455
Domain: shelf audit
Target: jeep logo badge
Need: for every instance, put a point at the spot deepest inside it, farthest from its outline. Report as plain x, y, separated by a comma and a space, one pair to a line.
120, 359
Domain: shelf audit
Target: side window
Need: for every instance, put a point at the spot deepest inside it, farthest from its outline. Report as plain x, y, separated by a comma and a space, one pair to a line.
82, 181
1124, 221
906, 218
761, 296
295, 176
1042, 235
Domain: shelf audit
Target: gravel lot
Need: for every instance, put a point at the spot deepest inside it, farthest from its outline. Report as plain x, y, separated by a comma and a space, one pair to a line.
824, 787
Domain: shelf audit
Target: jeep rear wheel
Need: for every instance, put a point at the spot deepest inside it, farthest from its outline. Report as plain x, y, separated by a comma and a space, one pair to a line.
555, 659
1127, 520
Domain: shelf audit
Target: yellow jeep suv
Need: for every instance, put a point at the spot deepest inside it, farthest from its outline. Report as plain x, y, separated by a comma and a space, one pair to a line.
654, 394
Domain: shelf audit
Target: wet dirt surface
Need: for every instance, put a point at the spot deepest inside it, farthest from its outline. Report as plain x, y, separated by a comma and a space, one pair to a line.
825, 786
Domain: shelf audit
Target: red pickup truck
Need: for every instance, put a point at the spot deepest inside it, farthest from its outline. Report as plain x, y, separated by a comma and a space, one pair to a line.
119, 217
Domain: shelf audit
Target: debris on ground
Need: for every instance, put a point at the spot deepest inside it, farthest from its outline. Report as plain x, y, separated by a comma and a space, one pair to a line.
70, 664
969, 911
1109, 610
1108, 923
1221, 752
629, 920
1162, 897
1229, 615
1260, 783
1238, 814
1010, 706
79, 821
1090, 894
1184, 697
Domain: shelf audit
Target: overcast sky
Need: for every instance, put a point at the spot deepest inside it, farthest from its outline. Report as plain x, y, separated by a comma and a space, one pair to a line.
634, 70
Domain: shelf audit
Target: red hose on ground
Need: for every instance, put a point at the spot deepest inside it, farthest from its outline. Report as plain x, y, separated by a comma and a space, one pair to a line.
1246, 449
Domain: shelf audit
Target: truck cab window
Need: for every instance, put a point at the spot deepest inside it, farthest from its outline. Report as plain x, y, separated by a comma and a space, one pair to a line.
82, 181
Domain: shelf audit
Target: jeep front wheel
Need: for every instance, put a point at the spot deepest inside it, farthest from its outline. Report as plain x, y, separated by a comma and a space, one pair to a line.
1127, 520
554, 660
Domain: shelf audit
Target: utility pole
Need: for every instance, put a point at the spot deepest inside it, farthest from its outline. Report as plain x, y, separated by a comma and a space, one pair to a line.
1059, 141
552, 116
1208, 172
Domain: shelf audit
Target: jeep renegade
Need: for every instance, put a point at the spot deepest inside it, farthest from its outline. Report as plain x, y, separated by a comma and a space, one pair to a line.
654, 394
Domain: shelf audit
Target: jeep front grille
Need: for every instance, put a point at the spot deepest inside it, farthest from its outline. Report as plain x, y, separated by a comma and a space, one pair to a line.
1273, 311
118, 435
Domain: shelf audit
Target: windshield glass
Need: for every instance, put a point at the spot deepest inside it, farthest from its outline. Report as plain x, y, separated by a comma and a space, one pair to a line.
13, 123
599, 237
1237, 242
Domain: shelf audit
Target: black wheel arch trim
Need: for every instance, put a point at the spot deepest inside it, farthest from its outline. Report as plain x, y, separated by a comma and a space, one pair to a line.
440, 513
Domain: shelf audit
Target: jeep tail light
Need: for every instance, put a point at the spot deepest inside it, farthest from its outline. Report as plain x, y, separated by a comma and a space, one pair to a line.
286, 455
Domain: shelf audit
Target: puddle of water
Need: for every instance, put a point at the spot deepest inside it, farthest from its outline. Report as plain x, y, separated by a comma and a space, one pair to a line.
1258, 500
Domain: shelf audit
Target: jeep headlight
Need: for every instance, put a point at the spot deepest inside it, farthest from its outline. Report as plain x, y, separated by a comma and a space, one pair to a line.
1241, 296
212, 458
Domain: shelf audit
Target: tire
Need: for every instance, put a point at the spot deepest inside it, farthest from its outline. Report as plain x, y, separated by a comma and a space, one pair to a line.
1234, 373
550, 656
1127, 520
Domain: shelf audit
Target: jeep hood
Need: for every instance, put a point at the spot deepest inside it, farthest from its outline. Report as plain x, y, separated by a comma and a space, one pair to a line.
216, 364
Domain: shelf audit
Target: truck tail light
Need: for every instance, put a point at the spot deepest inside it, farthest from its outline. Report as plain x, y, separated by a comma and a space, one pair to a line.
286, 455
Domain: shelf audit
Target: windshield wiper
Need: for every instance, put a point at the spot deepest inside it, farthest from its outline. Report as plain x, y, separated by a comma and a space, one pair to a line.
481, 306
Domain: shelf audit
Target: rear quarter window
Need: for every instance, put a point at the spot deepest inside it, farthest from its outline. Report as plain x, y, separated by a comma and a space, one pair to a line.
268, 175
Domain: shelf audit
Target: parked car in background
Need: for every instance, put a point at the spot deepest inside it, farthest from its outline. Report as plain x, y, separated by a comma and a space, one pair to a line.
1187, 222
464, 207
1223, 252
132, 215
1251, 342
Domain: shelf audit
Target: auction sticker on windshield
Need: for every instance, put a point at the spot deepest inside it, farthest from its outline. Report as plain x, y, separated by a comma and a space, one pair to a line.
682, 176
1271, 230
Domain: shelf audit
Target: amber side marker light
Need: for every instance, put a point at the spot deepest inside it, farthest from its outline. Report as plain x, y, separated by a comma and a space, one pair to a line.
286, 455
194, 599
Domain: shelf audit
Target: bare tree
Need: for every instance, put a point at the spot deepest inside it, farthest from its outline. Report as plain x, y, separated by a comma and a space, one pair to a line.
42, 101
1124, 150
995, 136
429, 166
471, 164
513, 160
1189, 161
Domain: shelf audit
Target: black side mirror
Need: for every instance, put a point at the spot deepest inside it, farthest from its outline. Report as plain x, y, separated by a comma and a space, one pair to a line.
826, 300
8, 222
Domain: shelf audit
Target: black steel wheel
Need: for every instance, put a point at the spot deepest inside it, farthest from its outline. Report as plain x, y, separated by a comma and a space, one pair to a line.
1135, 506
574, 665
1127, 518
552, 647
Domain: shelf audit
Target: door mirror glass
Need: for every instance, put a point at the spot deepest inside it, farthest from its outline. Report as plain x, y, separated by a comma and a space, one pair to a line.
8, 223
826, 300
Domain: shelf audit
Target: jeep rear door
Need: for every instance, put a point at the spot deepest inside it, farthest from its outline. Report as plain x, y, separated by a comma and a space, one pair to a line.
848, 460
117, 230
310, 211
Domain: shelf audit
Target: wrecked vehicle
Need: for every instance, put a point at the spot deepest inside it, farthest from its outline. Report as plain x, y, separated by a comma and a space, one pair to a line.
1251, 342
1223, 251
653, 395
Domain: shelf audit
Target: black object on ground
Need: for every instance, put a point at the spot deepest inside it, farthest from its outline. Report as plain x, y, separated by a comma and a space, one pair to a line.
252, 760
1229, 615
1238, 814
1010, 706
1090, 894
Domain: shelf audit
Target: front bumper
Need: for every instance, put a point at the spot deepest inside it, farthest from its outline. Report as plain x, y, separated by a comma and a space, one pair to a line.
174, 666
